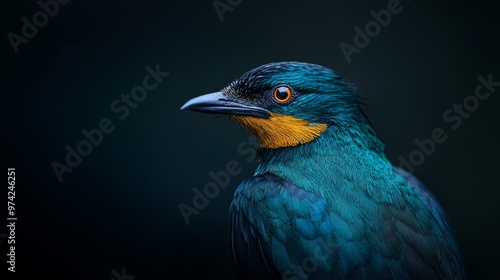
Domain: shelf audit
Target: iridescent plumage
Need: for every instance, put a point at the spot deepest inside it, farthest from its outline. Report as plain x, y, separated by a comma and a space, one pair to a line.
331, 206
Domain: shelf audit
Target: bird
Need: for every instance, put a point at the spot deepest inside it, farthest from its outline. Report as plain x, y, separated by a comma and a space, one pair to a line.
325, 202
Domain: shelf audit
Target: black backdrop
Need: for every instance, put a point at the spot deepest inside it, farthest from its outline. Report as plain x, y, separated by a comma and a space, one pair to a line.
118, 208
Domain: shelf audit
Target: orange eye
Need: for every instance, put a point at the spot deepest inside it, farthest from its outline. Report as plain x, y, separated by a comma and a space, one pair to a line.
282, 94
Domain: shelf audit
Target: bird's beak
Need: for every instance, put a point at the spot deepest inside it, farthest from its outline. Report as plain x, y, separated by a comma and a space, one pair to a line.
219, 103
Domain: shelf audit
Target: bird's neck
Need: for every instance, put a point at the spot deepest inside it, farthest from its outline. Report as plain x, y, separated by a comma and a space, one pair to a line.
340, 153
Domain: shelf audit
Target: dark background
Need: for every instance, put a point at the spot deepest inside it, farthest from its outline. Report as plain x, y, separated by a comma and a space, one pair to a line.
119, 207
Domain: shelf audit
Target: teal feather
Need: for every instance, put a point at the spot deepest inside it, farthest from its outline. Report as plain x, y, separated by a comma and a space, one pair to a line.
336, 201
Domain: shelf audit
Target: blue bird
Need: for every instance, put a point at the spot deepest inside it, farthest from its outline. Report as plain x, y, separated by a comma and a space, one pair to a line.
325, 202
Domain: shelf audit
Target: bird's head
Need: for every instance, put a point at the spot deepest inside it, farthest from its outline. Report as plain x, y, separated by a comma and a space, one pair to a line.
285, 104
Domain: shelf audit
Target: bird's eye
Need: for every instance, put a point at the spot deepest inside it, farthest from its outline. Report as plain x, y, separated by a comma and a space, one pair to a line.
282, 94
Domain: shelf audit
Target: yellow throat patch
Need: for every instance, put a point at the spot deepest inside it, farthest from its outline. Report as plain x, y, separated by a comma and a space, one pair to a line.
280, 131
